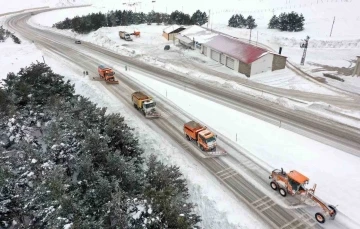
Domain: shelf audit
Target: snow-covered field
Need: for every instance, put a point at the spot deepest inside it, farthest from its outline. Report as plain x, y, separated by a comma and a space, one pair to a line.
217, 207
17, 5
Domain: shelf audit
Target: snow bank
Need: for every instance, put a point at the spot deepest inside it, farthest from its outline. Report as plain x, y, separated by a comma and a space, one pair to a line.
16, 5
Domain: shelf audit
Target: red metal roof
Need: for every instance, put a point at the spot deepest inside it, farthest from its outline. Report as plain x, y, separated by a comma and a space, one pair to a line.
237, 49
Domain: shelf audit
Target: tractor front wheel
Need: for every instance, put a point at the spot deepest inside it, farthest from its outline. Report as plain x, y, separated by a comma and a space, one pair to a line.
282, 192
319, 217
273, 185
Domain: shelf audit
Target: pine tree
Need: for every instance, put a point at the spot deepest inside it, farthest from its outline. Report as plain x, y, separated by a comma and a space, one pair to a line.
274, 23
250, 23
232, 21
283, 22
292, 22
240, 21
199, 18
87, 171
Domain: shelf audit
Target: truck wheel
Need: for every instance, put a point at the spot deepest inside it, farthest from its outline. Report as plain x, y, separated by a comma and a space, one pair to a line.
319, 217
201, 147
187, 137
135, 106
273, 185
143, 113
282, 192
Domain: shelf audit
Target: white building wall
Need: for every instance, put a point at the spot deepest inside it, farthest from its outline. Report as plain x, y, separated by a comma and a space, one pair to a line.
262, 64
208, 52
236, 65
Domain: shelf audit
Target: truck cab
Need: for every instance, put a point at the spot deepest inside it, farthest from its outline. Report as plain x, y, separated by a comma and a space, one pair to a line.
148, 106
207, 139
127, 37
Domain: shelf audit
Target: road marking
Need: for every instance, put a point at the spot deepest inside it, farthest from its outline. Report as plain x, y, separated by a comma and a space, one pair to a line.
267, 207
256, 201
263, 203
235, 173
291, 222
221, 171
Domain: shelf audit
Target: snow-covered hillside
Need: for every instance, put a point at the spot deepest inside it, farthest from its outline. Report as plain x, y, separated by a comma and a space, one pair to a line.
17, 5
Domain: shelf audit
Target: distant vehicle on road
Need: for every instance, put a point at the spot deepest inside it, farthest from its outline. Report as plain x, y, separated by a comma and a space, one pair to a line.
77, 42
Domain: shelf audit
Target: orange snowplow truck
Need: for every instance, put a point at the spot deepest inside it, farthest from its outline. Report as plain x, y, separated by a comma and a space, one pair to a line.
107, 74
294, 183
205, 139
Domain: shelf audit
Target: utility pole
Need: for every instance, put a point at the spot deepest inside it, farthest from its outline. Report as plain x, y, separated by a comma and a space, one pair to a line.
207, 25
304, 46
332, 27
250, 36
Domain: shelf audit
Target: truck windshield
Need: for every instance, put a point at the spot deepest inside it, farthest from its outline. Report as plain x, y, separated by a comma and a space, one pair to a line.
212, 139
110, 73
149, 105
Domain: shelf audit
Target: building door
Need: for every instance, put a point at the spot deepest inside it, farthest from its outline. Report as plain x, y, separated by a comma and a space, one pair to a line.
205, 50
215, 55
222, 59
230, 62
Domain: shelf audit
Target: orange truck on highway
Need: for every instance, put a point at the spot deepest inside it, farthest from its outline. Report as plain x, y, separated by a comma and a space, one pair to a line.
107, 74
205, 139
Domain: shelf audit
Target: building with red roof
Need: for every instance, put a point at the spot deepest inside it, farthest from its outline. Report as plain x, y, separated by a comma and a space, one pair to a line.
242, 57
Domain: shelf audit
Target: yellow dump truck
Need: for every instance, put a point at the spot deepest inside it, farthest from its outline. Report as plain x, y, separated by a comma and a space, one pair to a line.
145, 104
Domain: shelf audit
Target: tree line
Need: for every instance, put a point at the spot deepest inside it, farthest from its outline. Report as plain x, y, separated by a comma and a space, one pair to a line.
239, 21
4, 34
94, 21
292, 22
65, 163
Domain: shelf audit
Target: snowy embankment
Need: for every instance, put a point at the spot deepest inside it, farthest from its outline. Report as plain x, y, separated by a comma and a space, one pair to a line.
215, 205
276, 146
16, 5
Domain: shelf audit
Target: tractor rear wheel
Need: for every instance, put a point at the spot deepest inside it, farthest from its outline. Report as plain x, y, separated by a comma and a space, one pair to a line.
273, 185
319, 217
282, 192
332, 216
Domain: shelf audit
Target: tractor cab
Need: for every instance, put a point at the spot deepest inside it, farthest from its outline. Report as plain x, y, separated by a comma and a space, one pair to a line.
297, 182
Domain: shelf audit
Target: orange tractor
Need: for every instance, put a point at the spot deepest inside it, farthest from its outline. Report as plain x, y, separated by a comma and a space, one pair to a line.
107, 74
294, 183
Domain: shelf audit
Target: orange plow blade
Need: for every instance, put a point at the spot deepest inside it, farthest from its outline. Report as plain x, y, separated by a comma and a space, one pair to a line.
113, 82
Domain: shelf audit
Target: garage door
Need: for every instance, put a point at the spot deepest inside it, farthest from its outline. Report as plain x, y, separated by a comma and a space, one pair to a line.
205, 50
230, 62
222, 59
215, 55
